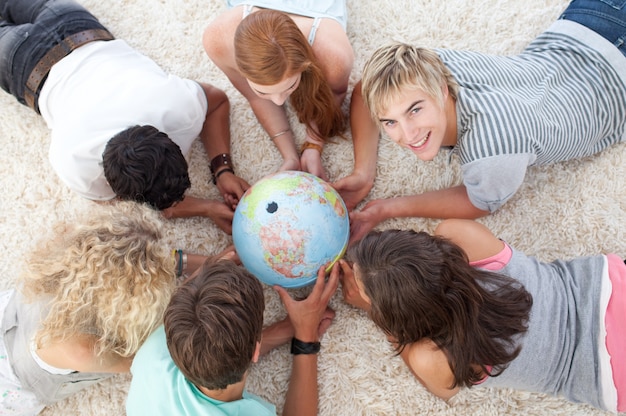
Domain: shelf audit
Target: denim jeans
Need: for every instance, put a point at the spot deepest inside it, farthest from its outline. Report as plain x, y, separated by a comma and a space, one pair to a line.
29, 29
605, 17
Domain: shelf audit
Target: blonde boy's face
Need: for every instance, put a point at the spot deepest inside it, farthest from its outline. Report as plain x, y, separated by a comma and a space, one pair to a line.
416, 121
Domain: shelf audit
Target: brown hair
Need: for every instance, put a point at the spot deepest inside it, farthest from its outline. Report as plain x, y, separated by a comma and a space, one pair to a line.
270, 47
422, 287
213, 323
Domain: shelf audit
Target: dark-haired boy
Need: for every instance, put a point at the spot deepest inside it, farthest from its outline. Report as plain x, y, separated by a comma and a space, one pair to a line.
96, 92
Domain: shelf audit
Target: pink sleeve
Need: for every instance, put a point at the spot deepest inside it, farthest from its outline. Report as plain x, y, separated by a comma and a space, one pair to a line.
614, 322
495, 262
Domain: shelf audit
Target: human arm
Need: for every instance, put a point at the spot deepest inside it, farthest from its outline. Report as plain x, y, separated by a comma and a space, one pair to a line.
307, 317
215, 137
191, 206
187, 264
275, 335
491, 181
443, 203
474, 238
281, 332
429, 364
311, 155
196, 261
365, 136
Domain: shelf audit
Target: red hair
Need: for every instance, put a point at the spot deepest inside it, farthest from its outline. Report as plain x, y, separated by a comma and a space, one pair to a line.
270, 47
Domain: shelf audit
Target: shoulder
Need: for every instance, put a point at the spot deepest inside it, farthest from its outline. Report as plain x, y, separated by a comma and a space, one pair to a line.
153, 349
77, 353
332, 43
218, 37
258, 405
475, 239
425, 358
488, 126
158, 386
430, 366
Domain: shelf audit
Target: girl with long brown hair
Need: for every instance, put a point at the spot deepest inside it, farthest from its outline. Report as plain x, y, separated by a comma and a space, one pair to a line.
463, 308
272, 52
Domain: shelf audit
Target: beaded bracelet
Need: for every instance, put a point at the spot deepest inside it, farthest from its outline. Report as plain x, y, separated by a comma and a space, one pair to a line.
301, 347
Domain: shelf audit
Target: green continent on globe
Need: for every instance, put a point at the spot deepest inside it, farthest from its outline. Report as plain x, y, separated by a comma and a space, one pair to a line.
258, 195
331, 196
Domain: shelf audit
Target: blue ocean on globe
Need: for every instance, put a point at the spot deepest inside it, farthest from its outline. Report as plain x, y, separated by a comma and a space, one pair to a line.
287, 226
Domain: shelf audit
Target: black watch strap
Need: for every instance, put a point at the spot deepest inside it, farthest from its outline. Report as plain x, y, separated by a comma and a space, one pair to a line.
301, 347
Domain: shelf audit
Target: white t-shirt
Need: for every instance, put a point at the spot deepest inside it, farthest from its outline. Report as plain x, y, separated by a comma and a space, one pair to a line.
101, 89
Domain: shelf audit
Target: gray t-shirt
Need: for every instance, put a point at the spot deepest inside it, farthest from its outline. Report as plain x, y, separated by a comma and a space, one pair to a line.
19, 324
559, 354
562, 98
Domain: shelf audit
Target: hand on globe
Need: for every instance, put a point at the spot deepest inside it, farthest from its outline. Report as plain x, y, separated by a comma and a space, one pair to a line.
310, 315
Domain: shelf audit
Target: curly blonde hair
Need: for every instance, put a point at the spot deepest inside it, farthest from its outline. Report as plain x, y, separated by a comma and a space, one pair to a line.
109, 276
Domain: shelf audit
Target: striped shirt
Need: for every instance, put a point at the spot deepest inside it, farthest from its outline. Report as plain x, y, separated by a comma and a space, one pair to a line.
564, 97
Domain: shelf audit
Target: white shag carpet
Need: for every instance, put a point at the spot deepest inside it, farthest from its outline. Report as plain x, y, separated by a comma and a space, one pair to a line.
565, 210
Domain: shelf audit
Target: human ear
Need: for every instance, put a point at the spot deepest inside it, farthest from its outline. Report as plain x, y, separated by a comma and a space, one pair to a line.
257, 352
444, 91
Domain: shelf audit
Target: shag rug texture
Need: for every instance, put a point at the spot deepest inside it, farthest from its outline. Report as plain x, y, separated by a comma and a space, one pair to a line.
562, 211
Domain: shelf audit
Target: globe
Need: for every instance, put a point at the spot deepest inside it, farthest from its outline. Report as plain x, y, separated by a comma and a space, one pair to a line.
288, 225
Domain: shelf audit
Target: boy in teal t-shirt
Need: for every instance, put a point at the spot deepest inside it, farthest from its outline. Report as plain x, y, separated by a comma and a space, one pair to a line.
159, 386
196, 363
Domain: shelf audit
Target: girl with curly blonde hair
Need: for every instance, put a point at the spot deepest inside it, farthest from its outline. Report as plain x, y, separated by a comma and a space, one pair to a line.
273, 51
88, 300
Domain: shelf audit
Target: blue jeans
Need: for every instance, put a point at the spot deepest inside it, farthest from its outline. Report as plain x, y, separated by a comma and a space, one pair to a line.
29, 29
605, 17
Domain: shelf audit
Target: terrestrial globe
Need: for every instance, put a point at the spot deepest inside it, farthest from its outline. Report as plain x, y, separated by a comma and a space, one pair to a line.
288, 225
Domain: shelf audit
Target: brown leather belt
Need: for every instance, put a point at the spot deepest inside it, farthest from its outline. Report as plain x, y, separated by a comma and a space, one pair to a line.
54, 55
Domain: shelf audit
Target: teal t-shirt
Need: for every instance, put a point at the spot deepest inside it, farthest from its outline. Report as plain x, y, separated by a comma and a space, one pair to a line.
159, 388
